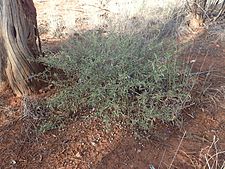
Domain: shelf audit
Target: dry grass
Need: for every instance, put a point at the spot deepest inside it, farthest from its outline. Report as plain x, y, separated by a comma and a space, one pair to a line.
212, 155
62, 19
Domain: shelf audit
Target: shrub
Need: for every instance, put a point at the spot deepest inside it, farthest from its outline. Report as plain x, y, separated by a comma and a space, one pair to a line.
122, 77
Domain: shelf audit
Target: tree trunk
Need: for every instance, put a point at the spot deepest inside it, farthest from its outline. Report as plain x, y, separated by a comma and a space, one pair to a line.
2, 54
18, 46
3, 81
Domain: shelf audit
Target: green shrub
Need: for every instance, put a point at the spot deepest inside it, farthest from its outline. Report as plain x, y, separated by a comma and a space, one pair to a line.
122, 77
50, 123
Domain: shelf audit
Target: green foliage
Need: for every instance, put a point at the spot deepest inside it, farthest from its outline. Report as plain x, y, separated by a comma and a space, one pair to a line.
121, 77
50, 123
46, 127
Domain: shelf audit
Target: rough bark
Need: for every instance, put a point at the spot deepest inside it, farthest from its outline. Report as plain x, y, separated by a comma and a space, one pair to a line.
2, 54
18, 45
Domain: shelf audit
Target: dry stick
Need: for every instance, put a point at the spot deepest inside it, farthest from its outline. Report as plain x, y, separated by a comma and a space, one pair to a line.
104, 9
221, 152
177, 150
215, 146
215, 5
204, 5
192, 162
202, 9
191, 68
162, 159
188, 4
208, 152
204, 72
207, 162
220, 11
207, 78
